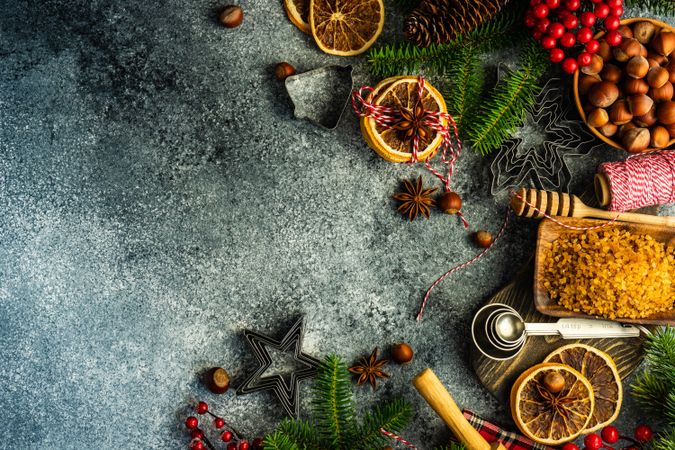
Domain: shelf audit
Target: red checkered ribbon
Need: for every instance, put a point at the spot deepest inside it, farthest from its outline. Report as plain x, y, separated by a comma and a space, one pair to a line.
388, 117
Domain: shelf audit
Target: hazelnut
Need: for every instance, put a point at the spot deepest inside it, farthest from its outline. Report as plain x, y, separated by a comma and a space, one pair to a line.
608, 129
662, 94
597, 118
643, 32
603, 94
659, 137
586, 81
635, 86
402, 353
554, 382
611, 73
664, 43
639, 104
619, 114
283, 70
628, 49
665, 112
605, 51
449, 203
652, 63
671, 130
646, 120
483, 238
217, 380
637, 67
636, 140
671, 70
643, 51
656, 57
623, 129
231, 16
595, 66
657, 77
625, 31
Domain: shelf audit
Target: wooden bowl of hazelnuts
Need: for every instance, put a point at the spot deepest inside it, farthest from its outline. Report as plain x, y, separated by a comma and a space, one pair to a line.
625, 95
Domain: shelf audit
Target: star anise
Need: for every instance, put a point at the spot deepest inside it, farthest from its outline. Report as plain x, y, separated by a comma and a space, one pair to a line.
415, 199
370, 369
413, 121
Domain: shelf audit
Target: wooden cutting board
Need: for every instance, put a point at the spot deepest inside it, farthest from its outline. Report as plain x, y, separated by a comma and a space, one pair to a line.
498, 376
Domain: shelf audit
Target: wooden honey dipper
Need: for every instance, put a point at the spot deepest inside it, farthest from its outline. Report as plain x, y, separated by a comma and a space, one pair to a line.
562, 204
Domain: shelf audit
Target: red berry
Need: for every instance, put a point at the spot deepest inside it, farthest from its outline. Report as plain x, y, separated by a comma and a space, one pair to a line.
614, 3
226, 436
556, 55
618, 11
584, 35
593, 46
202, 408
569, 446
231, 446
570, 66
197, 434
191, 422
568, 40
612, 22
258, 443
548, 42
542, 24
601, 10
614, 38
571, 21
537, 35
610, 434
243, 445
556, 30
593, 442
530, 21
541, 11
197, 445
643, 433
552, 4
572, 5
587, 19
584, 59
218, 422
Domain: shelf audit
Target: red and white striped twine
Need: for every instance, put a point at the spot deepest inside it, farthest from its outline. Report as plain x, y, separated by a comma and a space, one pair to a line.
398, 438
388, 117
641, 180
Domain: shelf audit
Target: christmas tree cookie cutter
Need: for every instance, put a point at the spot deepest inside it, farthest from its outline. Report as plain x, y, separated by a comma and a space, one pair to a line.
321, 95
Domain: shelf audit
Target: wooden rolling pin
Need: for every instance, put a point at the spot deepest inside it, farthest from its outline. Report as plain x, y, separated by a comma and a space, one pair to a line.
561, 204
433, 391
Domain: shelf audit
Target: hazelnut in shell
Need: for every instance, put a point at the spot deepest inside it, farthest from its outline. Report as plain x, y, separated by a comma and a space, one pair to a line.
554, 382
619, 114
662, 94
671, 70
659, 137
643, 51
636, 140
449, 203
608, 129
623, 129
283, 70
605, 51
656, 57
671, 130
639, 104
231, 16
597, 118
646, 120
665, 112
628, 49
652, 63
644, 31
402, 353
483, 238
634, 86
603, 94
611, 73
595, 66
637, 67
625, 31
664, 43
217, 380
586, 81
657, 77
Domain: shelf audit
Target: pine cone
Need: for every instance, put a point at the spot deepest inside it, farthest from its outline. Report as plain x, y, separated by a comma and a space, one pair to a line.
440, 21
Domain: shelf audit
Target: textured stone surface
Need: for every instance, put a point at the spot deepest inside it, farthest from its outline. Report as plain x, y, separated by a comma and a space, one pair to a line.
158, 197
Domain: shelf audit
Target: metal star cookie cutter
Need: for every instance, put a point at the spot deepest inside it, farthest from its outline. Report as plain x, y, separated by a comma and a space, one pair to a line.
321, 95
536, 155
287, 393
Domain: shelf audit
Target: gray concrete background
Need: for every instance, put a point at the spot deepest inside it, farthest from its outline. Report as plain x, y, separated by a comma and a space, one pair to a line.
157, 198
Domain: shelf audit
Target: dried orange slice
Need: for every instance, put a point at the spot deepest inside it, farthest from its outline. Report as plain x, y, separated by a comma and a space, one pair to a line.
552, 412
298, 13
603, 375
391, 144
346, 28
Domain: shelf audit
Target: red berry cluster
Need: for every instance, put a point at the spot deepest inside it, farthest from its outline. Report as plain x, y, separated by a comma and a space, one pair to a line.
228, 435
564, 31
610, 435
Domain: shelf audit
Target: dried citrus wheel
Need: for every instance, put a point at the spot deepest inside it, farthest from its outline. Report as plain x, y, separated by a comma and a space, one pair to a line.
552, 403
298, 13
346, 28
392, 144
603, 375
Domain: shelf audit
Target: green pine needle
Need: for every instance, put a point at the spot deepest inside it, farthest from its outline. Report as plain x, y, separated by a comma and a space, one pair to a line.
465, 83
393, 417
660, 7
301, 433
333, 404
505, 109
279, 441
663, 441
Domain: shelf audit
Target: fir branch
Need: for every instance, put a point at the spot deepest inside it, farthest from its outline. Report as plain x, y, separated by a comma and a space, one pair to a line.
465, 77
663, 441
393, 417
332, 403
505, 109
660, 7
301, 433
279, 441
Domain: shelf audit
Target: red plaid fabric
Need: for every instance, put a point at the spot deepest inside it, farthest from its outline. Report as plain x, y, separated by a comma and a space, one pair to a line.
492, 433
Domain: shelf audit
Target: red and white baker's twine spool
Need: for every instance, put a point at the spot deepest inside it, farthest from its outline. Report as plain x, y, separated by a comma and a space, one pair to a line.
641, 180
388, 117
398, 438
